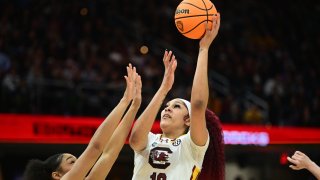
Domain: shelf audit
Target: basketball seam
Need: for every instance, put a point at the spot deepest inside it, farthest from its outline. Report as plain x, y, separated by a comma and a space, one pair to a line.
210, 8
197, 6
193, 16
195, 27
206, 9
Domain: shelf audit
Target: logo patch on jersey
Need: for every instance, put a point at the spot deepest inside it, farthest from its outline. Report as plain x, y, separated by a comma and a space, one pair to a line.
176, 142
154, 144
159, 157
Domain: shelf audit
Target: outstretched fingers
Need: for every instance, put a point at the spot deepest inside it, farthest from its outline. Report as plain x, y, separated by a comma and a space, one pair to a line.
137, 95
167, 58
300, 153
172, 65
130, 82
294, 167
130, 73
216, 22
210, 34
292, 160
295, 163
138, 83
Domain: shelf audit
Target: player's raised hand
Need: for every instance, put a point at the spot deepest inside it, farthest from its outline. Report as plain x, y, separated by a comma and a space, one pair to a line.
130, 81
170, 65
210, 34
137, 93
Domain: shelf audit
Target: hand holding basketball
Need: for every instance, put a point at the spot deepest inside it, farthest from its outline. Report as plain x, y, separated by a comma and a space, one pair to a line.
210, 34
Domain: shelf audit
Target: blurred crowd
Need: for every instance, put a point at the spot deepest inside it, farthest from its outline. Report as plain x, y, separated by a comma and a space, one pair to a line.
69, 57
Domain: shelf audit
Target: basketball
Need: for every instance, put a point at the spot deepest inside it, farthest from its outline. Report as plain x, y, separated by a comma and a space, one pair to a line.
191, 16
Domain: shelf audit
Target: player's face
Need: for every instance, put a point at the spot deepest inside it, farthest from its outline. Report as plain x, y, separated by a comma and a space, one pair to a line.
66, 163
174, 116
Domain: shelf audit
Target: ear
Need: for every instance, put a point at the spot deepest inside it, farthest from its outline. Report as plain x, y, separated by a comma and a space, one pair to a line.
186, 119
55, 175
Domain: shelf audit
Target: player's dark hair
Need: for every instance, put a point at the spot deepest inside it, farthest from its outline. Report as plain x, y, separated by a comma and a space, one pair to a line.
42, 170
213, 166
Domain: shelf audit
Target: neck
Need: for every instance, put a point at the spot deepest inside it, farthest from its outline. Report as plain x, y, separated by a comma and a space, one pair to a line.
173, 135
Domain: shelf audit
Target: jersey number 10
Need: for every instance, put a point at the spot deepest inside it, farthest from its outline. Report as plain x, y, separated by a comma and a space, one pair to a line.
160, 176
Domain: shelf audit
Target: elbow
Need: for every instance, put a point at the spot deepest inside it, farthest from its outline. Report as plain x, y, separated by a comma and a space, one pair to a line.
198, 104
135, 143
96, 147
110, 156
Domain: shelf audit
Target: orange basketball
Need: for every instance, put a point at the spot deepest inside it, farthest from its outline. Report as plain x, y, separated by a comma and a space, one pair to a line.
191, 16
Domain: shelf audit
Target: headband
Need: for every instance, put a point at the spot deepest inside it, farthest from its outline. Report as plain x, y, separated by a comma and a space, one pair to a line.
188, 104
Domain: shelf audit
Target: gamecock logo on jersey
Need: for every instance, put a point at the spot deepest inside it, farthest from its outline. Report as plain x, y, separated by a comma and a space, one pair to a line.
158, 157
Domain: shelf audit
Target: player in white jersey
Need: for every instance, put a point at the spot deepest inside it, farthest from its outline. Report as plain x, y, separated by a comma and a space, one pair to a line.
172, 158
191, 140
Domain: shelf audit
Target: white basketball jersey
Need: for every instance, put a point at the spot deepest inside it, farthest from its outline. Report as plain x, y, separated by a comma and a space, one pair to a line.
167, 159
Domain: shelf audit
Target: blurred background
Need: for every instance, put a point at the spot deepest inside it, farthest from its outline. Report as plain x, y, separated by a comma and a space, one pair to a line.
68, 58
